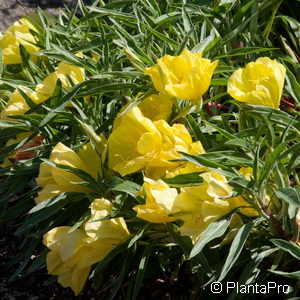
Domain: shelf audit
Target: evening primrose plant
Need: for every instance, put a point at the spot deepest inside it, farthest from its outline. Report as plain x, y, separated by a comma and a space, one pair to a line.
150, 148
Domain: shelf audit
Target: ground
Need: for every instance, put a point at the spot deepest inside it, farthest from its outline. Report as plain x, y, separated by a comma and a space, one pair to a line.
11, 10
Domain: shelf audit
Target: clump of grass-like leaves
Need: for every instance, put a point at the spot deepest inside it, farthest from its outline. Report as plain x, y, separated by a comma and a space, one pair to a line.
113, 43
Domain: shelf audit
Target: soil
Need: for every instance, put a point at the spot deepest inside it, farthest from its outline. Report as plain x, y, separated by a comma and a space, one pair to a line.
32, 287
12, 10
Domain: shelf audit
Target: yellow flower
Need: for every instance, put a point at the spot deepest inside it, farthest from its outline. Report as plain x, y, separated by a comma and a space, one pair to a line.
189, 167
17, 105
186, 76
259, 83
65, 255
75, 73
137, 143
110, 229
157, 107
73, 253
198, 206
55, 181
159, 202
18, 33
66, 73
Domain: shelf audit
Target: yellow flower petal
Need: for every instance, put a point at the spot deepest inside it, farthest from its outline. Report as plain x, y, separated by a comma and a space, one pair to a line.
55, 180
16, 104
259, 83
73, 253
186, 76
15, 35
157, 107
137, 143
159, 202
114, 228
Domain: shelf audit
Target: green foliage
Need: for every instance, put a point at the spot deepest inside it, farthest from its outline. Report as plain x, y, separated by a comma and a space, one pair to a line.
118, 41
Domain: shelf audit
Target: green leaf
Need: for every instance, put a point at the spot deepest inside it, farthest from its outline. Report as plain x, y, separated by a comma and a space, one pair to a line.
236, 248
98, 141
162, 37
39, 262
95, 43
204, 162
41, 215
64, 101
240, 143
289, 195
31, 245
142, 268
104, 262
189, 179
185, 244
245, 51
78, 172
18, 185
27, 99
47, 203
128, 187
112, 13
123, 272
105, 88
251, 270
15, 83
198, 135
270, 163
219, 81
293, 86
1, 63
139, 235
134, 103
214, 230
289, 247
293, 275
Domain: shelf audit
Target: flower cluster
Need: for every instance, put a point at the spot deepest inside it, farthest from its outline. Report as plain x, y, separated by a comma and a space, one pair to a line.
67, 73
144, 138
73, 252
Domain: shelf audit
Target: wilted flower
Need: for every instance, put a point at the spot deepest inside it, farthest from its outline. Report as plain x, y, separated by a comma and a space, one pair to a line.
259, 83
20, 154
15, 35
186, 76
137, 143
55, 181
159, 202
74, 252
